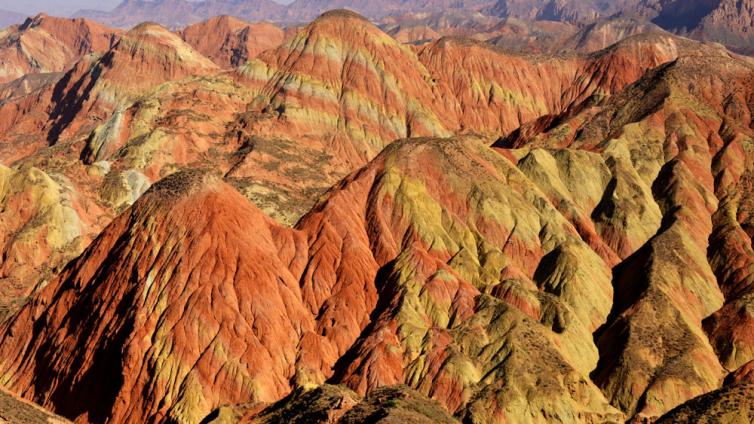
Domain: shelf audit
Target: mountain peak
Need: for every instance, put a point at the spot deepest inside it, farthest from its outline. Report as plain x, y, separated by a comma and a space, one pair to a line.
210, 299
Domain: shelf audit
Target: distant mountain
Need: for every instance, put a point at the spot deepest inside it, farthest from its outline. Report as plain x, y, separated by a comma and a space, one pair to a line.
730, 22
179, 13
10, 18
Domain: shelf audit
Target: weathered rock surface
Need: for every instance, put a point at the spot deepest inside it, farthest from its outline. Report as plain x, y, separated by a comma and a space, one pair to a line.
337, 404
592, 266
44, 44
654, 351
230, 42
211, 313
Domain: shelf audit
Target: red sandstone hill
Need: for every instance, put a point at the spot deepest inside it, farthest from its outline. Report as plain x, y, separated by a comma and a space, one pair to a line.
48, 44
591, 266
231, 42
52, 204
212, 312
284, 127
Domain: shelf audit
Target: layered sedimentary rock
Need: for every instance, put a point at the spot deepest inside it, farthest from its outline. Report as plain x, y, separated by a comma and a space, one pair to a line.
654, 350
343, 81
48, 44
460, 286
231, 42
45, 223
591, 266
63, 202
211, 312
431, 302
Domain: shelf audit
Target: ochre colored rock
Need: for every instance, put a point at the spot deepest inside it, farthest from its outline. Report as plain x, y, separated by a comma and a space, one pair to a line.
211, 314
44, 44
231, 42
592, 266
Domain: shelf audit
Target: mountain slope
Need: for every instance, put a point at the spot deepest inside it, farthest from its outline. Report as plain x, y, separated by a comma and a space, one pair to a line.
48, 44
591, 266
668, 286
231, 42
155, 348
105, 84
344, 81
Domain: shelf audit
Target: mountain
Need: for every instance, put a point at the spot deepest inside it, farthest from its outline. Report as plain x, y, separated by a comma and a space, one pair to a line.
413, 27
48, 44
729, 23
725, 21
231, 42
179, 13
652, 337
57, 216
283, 128
347, 228
547, 10
249, 333
8, 18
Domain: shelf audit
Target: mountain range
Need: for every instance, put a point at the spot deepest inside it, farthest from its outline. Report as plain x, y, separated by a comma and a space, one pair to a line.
439, 217
725, 21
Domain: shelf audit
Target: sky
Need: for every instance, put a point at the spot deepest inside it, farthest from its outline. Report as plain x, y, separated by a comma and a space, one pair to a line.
62, 7
56, 7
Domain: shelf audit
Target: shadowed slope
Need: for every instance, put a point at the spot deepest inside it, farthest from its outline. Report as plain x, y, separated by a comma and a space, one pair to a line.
693, 114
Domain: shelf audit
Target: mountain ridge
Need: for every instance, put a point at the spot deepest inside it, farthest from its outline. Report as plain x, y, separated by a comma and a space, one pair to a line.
344, 227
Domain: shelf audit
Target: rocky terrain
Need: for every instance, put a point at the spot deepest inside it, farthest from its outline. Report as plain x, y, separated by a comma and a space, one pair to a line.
442, 218
230, 42
724, 21
44, 44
